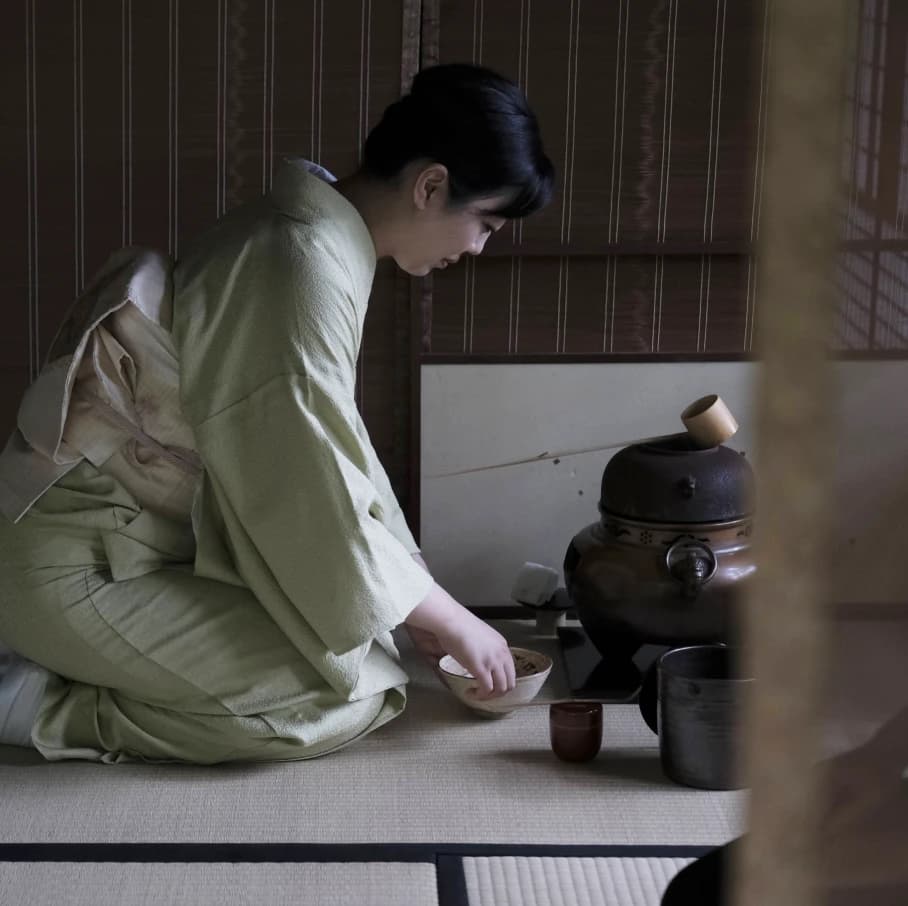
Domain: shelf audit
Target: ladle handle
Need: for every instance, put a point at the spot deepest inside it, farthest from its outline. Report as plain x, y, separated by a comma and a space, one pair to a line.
547, 702
649, 697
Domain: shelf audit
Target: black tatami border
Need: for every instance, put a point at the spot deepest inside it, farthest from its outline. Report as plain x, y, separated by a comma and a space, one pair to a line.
447, 857
320, 852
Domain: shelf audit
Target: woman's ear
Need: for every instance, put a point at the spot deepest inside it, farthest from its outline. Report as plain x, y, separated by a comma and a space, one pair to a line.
431, 186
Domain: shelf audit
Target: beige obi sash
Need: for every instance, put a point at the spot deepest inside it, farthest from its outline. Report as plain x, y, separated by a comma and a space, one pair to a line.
109, 393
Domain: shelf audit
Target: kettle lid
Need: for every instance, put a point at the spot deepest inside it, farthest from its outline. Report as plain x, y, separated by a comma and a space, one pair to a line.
673, 480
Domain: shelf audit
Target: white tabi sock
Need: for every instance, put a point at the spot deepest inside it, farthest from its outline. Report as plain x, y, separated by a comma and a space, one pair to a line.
22, 685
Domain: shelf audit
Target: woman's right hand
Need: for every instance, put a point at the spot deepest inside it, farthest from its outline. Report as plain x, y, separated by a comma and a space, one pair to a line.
483, 651
474, 644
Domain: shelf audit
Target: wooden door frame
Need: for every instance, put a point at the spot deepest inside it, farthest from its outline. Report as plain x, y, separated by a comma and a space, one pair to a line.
419, 49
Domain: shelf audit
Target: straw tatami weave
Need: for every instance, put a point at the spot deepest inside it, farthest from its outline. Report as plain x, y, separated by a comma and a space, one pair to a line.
105, 884
535, 881
437, 774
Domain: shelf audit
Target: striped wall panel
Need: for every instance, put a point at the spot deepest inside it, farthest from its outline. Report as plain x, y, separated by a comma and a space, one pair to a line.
654, 112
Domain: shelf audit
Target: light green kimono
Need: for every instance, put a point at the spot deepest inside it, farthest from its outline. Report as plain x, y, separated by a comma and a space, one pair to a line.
260, 629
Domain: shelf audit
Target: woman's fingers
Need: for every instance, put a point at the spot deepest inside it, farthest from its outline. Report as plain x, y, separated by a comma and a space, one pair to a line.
511, 670
486, 683
500, 680
504, 670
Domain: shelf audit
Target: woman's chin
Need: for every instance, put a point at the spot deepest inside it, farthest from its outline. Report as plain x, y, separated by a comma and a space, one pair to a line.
415, 270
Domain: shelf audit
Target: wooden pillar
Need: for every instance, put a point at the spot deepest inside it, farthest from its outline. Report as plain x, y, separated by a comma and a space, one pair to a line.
786, 621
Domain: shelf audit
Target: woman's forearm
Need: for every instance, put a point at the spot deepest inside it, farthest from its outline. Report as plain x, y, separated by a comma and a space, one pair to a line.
476, 645
436, 612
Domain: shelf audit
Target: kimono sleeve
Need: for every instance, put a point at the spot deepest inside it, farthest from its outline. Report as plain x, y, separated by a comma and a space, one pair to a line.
303, 514
391, 515
288, 463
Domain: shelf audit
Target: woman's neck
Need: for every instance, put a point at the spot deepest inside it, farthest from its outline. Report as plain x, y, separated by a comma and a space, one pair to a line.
378, 207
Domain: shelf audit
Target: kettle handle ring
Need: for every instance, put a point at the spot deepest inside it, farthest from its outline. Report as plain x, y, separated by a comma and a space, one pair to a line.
697, 566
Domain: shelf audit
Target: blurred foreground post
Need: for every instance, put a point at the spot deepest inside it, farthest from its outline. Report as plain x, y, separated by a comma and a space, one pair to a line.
795, 310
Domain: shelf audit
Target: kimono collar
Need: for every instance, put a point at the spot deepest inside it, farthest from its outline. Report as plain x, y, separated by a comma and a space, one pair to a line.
302, 189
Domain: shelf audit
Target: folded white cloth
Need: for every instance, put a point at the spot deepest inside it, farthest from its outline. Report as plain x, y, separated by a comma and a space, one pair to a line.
535, 584
22, 685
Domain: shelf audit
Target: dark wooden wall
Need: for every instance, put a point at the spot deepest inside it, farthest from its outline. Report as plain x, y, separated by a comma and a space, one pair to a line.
649, 110
654, 112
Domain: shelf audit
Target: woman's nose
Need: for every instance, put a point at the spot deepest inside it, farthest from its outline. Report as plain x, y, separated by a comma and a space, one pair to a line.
478, 244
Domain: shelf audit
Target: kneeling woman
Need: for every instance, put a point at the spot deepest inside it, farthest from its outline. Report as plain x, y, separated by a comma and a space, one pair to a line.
203, 557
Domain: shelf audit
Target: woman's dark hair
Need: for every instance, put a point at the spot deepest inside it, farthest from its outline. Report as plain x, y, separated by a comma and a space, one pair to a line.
476, 123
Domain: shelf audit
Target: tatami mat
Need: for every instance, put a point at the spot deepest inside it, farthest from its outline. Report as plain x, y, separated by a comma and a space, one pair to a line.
437, 774
105, 884
535, 881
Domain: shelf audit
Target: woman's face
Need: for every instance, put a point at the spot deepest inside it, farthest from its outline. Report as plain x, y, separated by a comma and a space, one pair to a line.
439, 232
